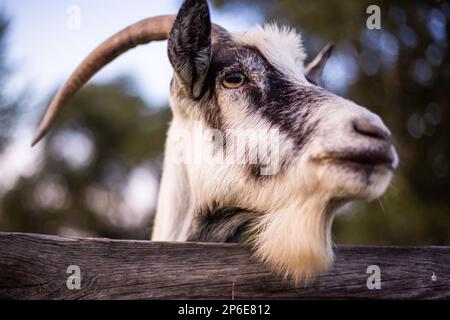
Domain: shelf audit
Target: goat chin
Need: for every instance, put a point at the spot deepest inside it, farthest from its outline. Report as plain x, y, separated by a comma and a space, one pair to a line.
295, 242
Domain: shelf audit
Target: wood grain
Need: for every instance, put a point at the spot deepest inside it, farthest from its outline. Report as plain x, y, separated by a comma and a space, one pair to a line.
34, 267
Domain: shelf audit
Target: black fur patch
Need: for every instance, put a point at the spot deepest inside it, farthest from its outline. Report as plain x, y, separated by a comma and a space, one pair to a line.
223, 56
220, 224
284, 104
288, 106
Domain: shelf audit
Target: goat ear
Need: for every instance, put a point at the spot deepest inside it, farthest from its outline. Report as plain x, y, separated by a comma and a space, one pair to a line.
315, 68
189, 45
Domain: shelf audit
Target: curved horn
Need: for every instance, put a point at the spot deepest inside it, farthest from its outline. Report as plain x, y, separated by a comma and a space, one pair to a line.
142, 32
151, 29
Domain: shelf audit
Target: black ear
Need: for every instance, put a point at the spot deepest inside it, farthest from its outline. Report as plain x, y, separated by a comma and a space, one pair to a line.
315, 68
189, 45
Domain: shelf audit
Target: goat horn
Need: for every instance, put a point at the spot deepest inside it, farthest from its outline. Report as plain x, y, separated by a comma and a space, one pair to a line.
145, 31
151, 29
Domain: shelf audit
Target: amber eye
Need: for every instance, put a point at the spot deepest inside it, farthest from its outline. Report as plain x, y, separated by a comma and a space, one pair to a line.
233, 81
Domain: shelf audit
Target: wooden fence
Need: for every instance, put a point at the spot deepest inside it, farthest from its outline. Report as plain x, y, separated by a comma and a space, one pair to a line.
38, 267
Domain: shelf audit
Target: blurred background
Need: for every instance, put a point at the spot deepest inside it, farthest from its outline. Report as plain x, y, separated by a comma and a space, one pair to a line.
97, 173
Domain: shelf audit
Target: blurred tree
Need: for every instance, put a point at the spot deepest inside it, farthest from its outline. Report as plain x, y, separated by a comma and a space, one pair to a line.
104, 134
8, 108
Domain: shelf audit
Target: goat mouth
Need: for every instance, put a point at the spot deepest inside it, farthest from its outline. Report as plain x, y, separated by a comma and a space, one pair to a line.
367, 159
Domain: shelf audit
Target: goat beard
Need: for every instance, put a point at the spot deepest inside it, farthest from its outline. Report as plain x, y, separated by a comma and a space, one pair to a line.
296, 241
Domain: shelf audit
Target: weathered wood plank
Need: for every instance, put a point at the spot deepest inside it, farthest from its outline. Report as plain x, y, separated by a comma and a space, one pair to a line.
34, 267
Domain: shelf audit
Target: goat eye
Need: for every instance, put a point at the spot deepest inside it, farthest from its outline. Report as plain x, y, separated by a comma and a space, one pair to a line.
233, 81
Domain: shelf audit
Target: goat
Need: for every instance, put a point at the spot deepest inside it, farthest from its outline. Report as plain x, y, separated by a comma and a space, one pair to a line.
330, 151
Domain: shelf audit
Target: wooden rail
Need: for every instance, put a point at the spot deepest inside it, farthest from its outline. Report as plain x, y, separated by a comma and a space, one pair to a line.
36, 267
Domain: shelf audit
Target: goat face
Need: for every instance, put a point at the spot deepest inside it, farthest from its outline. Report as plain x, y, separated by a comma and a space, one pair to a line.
329, 150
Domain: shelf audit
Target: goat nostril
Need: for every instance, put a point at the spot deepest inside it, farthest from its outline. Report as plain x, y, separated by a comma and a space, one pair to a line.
367, 128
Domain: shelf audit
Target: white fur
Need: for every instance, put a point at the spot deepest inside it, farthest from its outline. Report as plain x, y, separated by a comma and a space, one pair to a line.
282, 47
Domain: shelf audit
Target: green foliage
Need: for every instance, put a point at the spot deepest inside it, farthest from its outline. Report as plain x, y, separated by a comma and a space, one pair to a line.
8, 109
119, 133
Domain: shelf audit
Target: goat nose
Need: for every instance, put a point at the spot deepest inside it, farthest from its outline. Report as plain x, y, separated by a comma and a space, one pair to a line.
368, 128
